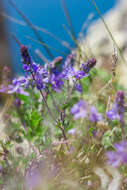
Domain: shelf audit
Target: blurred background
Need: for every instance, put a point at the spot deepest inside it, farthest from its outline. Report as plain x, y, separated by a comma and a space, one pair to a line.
51, 20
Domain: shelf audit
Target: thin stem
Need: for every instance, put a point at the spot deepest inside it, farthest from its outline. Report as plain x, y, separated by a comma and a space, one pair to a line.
65, 138
50, 47
61, 127
32, 27
68, 18
53, 117
70, 93
16, 39
22, 23
74, 40
71, 36
54, 102
63, 130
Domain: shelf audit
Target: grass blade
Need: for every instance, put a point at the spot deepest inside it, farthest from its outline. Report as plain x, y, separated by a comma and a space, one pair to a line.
50, 47
32, 27
68, 18
22, 23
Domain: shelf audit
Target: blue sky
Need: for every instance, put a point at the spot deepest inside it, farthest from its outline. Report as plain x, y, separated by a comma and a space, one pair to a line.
49, 15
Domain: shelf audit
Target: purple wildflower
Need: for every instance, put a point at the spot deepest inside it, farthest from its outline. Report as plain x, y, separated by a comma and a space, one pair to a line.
56, 83
94, 115
3, 89
21, 81
35, 67
78, 87
18, 86
118, 157
79, 110
39, 74
17, 89
85, 68
72, 131
17, 102
113, 114
34, 179
26, 67
68, 70
117, 111
121, 109
68, 61
80, 74
114, 159
39, 77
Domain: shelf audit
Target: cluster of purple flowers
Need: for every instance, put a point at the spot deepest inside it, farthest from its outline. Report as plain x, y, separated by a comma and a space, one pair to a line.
85, 68
51, 74
79, 110
118, 157
17, 86
82, 110
38, 73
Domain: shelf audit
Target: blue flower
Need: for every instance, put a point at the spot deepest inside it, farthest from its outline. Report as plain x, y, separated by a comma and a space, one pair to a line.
56, 83
79, 110
17, 89
80, 74
72, 131
78, 87
85, 68
18, 86
67, 69
35, 67
3, 88
117, 111
94, 115
113, 114
26, 67
118, 157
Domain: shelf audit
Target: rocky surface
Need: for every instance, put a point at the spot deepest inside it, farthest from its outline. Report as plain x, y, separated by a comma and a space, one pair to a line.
99, 43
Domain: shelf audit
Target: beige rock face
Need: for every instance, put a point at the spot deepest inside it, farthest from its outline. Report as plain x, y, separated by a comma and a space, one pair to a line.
116, 19
100, 43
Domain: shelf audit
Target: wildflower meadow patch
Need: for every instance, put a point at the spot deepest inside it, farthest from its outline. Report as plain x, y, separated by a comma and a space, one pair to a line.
65, 124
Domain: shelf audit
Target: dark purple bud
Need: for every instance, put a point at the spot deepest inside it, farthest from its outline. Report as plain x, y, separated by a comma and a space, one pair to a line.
24, 51
92, 62
25, 55
88, 65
